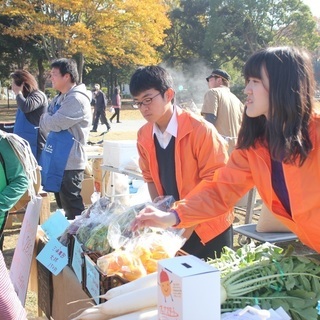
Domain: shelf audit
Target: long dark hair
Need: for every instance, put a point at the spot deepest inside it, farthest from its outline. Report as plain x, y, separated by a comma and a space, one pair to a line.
291, 94
27, 79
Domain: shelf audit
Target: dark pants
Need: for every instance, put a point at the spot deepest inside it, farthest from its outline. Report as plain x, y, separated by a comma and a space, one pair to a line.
3, 221
211, 249
116, 113
100, 114
69, 198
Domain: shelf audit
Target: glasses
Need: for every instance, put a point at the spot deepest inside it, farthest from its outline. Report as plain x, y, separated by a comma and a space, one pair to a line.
145, 101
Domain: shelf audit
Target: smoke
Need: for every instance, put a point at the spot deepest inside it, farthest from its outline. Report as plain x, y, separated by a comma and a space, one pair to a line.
190, 83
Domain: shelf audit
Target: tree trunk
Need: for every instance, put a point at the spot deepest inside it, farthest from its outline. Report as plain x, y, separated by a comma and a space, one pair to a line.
41, 77
80, 67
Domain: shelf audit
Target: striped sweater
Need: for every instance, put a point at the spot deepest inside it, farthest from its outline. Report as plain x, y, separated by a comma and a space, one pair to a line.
10, 305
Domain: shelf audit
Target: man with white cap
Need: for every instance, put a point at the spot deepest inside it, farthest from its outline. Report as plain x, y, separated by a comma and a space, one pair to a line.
222, 108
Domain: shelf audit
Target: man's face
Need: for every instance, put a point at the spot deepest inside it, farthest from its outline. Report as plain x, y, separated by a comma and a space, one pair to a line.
214, 82
154, 106
59, 82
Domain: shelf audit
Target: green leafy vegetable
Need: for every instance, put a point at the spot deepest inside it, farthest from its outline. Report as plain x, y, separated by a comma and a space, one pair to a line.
270, 277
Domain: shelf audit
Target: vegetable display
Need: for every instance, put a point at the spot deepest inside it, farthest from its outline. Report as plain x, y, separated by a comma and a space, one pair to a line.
270, 277
265, 275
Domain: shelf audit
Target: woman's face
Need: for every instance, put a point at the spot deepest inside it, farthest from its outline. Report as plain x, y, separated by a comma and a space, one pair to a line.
257, 91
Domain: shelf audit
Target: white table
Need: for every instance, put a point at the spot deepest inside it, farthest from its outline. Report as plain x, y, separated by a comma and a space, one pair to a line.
131, 173
93, 152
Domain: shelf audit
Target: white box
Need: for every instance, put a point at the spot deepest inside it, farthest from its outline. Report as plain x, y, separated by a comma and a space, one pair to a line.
188, 289
119, 153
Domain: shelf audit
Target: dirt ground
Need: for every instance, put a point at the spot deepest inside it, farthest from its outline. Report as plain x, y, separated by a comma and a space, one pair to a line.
11, 235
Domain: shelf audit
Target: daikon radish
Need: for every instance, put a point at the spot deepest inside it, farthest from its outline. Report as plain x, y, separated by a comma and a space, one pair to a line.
125, 303
130, 302
145, 314
92, 313
143, 282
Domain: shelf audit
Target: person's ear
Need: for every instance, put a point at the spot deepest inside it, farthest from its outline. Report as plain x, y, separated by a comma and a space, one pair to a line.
67, 76
169, 94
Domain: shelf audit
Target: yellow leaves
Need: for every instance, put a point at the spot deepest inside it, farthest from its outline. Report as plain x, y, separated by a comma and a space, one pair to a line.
118, 31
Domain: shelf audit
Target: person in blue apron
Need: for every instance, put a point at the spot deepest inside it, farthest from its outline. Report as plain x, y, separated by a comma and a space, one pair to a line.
67, 123
31, 103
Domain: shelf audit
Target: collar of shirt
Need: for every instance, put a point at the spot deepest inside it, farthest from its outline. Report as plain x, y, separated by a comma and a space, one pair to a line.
171, 130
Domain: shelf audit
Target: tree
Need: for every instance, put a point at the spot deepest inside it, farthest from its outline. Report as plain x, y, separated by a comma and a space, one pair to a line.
184, 43
238, 28
115, 31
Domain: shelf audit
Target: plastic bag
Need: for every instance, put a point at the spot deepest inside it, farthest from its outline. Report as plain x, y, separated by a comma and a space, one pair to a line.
123, 263
154, 245
84, 220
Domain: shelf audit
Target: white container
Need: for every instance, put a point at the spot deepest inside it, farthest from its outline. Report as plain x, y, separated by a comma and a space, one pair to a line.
119, 153
188, 289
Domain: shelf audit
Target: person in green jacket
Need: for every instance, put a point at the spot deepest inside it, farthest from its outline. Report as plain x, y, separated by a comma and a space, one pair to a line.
13, 179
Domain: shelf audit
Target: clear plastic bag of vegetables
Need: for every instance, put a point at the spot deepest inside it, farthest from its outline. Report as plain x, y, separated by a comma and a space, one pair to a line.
120, 227
101, 206
153, 245
93, 232
122, 262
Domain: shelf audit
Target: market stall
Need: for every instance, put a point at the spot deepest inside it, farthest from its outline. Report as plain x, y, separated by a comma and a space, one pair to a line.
266, 275
143, 276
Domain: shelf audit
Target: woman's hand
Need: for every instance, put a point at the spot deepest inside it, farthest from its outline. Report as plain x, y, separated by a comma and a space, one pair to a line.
16, 89
152, 217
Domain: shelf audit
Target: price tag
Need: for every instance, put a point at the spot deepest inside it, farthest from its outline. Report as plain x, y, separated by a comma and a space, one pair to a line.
77, 259
55, 225
54, 256
92, 279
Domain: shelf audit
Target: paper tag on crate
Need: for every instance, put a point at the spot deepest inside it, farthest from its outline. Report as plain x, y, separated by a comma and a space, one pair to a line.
77, 259
92, 279
54, 256
55, 225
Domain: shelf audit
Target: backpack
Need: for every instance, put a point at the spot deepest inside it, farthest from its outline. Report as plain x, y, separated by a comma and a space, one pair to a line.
31, 168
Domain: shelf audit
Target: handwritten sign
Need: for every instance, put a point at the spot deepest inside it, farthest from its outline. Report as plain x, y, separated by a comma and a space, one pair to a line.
22, 257
54, 256
92, 279
55, 225
77, 259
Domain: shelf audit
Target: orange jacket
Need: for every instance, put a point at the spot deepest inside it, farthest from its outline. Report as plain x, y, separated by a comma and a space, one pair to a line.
199, 151
247, 168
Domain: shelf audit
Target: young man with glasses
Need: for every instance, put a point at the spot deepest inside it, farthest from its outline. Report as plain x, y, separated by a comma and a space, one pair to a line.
222, 108
177, 151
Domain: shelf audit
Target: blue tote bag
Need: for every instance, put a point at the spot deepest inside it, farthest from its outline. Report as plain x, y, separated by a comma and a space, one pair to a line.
54, 158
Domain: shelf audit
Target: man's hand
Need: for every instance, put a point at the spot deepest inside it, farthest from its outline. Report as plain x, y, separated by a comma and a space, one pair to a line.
152, 217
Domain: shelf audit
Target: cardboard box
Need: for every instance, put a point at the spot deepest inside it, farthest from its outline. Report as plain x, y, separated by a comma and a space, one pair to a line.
119, 153
87, 190
98, 175
188, 289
